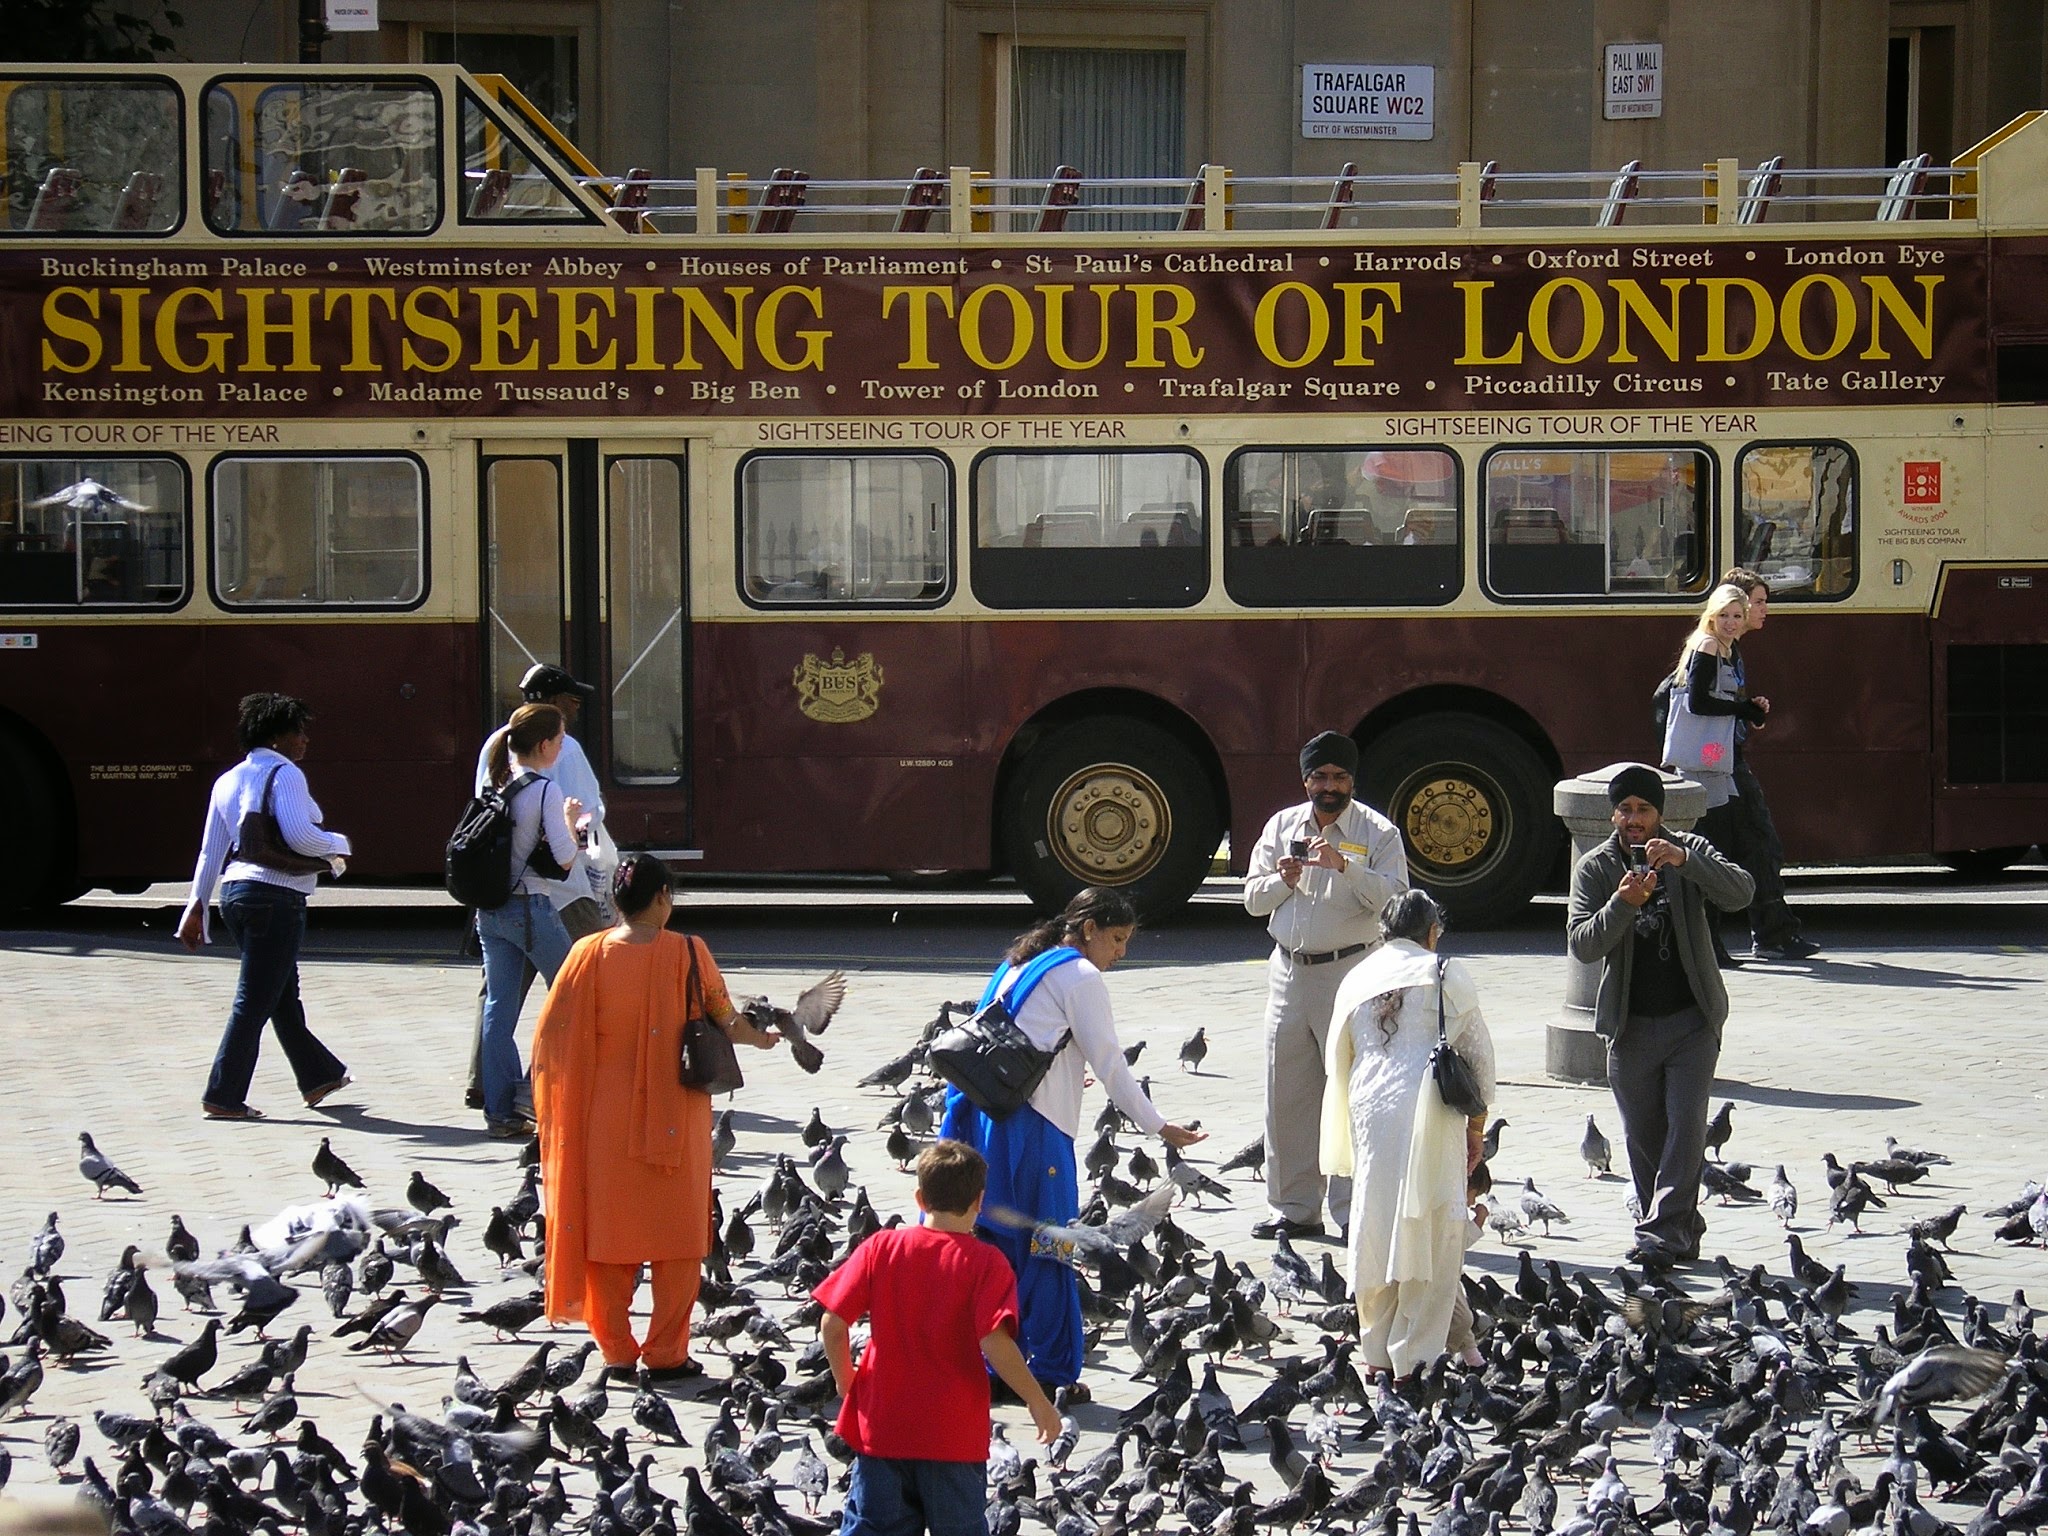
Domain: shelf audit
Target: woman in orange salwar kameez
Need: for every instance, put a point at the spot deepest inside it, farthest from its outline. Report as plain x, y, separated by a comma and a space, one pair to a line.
625, 1148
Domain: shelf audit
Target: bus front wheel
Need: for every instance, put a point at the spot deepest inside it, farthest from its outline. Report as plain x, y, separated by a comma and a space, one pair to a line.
1982, 863
1118, 803
39, 870
1471, 800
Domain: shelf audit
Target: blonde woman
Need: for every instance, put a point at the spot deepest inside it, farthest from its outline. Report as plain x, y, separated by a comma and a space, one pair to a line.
1706, 701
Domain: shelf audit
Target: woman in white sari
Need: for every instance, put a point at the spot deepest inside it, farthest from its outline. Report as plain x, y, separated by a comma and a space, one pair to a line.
1385, 1124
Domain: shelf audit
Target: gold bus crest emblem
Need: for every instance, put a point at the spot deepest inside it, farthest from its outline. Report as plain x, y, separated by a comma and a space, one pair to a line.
838, 691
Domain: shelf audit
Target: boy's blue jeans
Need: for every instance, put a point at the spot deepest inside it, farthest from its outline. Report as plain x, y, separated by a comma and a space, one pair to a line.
905, 1498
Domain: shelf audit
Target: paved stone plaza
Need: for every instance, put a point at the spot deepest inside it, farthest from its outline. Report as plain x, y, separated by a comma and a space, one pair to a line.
1932, 1033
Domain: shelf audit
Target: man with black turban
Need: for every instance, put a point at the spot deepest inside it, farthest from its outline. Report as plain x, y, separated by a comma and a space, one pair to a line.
1639, 907
1319, 876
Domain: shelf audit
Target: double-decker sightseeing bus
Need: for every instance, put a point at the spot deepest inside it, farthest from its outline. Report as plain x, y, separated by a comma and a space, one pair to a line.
964, 525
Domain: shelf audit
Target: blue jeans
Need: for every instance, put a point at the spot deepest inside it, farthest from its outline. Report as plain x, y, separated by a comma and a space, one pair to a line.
904, 1498
268, 922
525, 931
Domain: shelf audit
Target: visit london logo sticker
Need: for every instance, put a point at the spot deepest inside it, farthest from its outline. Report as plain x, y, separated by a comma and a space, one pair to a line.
1918, 491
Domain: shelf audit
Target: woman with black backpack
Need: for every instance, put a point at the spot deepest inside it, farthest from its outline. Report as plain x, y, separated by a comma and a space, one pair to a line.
526, 929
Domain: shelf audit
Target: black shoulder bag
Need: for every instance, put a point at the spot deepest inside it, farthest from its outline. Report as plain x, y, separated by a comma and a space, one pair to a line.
1455, 1080
710, 1064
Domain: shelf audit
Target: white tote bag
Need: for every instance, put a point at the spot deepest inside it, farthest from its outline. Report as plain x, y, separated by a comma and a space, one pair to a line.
1697, 743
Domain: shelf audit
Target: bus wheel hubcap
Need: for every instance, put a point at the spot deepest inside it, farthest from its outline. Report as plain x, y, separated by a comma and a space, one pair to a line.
1110, 824
1450, 822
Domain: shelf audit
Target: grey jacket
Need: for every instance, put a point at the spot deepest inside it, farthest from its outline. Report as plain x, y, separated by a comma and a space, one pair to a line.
1600, 923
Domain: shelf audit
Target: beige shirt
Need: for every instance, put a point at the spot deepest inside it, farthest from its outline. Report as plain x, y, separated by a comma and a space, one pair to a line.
1327, 909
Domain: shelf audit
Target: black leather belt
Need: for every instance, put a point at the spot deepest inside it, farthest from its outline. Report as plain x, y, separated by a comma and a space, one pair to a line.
1325, 956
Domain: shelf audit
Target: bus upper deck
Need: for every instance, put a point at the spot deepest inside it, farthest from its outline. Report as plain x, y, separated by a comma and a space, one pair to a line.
189, 152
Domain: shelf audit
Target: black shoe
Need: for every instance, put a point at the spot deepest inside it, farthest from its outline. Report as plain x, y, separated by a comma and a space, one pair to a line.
1276, 1226
1788, 950
1722, 958
474, 1099
682, 1370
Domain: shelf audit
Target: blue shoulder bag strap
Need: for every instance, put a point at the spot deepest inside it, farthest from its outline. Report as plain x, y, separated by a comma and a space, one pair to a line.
1028, 979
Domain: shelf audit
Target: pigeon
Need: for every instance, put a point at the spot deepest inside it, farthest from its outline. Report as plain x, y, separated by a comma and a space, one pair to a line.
1892, 1149
1536, 1207
1948, 1373
100, 1173
423, 1197
1784, 1198
194, 1360
1251, 1157
60, 1444
651, 1411
1489, 1146
1594, 1150
47, 1247
830, 1172
501, 1237
329, 1168
1720, 1128
893, 1073
396, 1331
812, 1013
181, 1247
723, 1139
816, 1133
1193, 1050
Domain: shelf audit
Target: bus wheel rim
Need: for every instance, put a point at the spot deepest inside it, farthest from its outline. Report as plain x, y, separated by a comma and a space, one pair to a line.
1109, 824
1454, 820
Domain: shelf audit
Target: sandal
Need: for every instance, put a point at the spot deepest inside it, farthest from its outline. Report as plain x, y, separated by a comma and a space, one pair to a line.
321, 1094
685, 1369
230, 1112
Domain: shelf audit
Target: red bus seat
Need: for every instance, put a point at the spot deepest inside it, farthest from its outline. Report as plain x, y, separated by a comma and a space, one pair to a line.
1060, 198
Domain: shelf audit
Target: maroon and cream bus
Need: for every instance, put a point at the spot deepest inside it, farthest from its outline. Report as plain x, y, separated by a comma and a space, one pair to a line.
961, 525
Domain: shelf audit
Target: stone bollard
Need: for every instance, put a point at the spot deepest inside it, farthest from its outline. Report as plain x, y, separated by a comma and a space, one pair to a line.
1572, 1052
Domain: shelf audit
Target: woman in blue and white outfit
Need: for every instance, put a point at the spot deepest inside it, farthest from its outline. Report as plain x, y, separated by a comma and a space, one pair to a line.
526, 929
264, 906
1030, 1154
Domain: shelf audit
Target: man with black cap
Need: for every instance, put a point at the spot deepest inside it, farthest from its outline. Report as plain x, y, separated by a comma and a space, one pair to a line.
576, 899
1639, 907
1319, 876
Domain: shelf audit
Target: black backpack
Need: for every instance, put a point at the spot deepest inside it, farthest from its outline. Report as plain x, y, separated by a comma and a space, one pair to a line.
478, 867
1660, 705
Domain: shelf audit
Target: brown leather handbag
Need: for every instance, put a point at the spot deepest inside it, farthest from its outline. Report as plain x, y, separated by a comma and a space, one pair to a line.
709, 1064
259, 839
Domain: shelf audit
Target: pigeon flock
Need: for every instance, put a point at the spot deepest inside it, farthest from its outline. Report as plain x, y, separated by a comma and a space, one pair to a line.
1224, 1394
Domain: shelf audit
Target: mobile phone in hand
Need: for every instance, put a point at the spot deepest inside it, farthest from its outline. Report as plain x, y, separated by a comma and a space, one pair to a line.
1298, 849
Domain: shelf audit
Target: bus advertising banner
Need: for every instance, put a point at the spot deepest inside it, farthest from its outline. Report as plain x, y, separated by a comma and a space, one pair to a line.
755, 330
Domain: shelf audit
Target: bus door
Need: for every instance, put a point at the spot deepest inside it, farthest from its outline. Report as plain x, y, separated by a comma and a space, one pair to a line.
585, 567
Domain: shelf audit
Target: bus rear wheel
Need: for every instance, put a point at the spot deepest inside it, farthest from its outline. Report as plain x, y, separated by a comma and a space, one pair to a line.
1121, 804
1471, 800
39, 869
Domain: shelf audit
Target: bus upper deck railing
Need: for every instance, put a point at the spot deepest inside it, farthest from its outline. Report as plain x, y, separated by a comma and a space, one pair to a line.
1472, 196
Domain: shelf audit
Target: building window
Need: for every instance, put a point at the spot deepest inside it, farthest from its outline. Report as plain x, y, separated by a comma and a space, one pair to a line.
1308, 526
1090, 530
301, 532
1598, 522
1107, 112
540, 65
1795, 518
93, 532
822, 531
347, 157
93, 157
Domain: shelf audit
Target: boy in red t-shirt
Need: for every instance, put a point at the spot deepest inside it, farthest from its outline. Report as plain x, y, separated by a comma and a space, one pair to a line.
939, 1302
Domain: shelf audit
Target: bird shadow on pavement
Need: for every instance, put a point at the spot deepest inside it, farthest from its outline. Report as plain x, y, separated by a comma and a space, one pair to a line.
1803, 1098
360, 1121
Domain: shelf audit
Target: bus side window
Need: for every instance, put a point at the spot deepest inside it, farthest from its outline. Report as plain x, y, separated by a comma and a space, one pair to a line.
1090, 530
845, 530
355, 157
1597, 522
1795, 518
1349, 527
93, 157
92, 532
318, 531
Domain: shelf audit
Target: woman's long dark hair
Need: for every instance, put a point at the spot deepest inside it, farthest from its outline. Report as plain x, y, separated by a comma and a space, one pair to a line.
1407, 915
1106, 909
